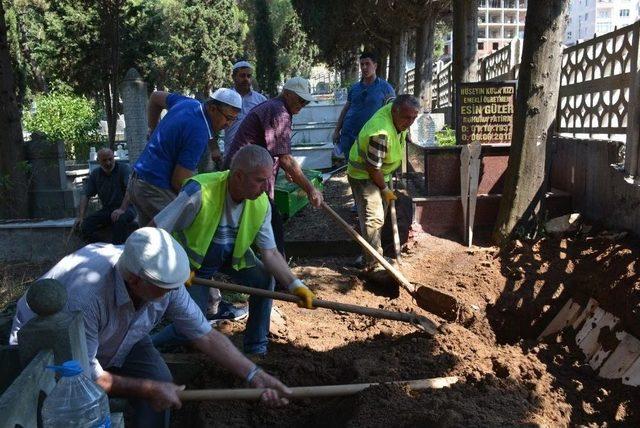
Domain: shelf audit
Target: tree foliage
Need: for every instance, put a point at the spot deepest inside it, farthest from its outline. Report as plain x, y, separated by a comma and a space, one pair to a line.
295, 50
13, 184
196, 42
64, 117
266, 57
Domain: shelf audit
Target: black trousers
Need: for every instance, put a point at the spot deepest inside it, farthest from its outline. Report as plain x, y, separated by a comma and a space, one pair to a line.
102, 219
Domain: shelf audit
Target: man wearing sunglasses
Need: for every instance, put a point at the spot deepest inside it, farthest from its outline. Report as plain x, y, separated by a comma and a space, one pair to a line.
176, 144
269, 125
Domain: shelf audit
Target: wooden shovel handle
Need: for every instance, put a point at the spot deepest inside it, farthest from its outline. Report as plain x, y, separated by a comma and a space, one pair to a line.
370, 250
394, 225
336, 306
310, 391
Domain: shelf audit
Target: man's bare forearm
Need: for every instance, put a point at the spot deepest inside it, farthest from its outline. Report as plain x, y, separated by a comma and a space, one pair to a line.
157, 103
124, 386
220, 349
376, 176
277, 266
292, 168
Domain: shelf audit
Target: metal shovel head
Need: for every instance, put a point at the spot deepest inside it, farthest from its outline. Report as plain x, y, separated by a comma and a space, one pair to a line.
436, 302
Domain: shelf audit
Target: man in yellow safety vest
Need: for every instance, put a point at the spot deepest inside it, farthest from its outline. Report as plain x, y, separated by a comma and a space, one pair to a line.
216, 218
375, 155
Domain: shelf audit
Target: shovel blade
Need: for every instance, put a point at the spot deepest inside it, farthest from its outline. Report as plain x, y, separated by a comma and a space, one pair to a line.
436, 302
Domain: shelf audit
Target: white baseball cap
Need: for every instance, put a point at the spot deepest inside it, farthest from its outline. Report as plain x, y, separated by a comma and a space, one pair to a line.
153, 255
228, 96
242, 64
300, 86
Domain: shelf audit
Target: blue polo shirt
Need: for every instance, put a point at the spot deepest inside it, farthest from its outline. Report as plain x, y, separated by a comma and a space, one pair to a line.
180, 138
364, 101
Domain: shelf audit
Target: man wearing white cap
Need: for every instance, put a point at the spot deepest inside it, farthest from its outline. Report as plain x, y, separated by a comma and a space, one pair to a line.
241, 75
176, 144
123, 292
269, 125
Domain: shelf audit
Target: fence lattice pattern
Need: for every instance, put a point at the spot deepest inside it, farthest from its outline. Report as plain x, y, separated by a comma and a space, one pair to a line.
595, 82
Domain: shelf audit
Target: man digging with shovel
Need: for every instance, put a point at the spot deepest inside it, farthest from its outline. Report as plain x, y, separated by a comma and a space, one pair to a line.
376, 154
217, 217
122, 293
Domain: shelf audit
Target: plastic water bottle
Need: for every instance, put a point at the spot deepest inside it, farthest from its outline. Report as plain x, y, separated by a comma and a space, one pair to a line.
75, 401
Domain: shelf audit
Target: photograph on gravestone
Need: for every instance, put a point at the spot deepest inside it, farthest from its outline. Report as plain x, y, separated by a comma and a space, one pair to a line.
485, 111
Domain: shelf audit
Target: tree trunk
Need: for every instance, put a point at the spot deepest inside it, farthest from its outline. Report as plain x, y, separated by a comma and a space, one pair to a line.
111, 33
383, 63
398, 61
465, 40
266, 66
535, 111
13, 180
111, 118
423, 72
393, 60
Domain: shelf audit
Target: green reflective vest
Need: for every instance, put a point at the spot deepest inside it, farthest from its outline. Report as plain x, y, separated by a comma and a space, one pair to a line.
196, 238
381, 123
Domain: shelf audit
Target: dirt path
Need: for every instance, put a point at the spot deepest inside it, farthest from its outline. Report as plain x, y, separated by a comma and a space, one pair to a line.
506, 378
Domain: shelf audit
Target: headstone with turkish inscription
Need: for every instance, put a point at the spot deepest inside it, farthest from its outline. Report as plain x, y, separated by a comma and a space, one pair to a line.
485, 112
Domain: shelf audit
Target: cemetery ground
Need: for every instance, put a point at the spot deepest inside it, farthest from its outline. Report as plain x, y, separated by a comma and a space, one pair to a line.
506, 375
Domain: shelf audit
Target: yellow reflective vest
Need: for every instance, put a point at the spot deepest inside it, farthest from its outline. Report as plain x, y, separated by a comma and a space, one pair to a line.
381, 123
197, 238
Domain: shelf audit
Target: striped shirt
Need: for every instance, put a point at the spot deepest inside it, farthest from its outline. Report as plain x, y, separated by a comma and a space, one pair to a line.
378, 146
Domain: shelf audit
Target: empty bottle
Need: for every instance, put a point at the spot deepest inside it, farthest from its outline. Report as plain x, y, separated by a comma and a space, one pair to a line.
75, 401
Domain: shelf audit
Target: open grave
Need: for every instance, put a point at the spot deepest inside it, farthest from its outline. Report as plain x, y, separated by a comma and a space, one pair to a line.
507, 375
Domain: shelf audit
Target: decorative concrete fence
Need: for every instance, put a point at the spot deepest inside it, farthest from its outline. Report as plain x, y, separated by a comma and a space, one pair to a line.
52, 337
598, 95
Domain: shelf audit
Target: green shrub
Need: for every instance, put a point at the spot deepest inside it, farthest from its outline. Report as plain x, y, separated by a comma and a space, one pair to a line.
446, 137
70, 118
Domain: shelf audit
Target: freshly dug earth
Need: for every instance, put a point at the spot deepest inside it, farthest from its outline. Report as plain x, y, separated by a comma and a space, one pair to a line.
506, 377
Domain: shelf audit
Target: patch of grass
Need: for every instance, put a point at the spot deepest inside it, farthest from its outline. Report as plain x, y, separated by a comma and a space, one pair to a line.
15, 278
446, 137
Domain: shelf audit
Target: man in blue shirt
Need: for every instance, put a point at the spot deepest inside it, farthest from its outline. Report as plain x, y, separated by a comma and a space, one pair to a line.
365, 98
176, 144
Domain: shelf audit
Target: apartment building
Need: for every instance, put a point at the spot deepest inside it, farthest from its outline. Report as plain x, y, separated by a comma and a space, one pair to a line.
595, 17
499, 21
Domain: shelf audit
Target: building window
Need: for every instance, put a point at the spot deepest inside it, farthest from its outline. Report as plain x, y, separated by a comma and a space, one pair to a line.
495, 46
604, 13
603, 27
624, 12
480, 46
586, 16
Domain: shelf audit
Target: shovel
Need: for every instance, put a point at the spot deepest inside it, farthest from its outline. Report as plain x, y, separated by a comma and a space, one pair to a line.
394, 226
428, 298
423, 322
311, 391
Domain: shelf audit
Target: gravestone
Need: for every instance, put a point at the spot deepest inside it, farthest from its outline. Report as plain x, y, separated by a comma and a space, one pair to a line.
134, 104
49, 193
53, 329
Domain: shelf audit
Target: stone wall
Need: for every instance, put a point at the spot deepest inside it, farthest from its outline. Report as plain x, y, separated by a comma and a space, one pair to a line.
589, 170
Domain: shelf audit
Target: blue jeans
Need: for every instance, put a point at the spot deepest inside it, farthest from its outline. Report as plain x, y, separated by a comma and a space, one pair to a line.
145, 362
255, 335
